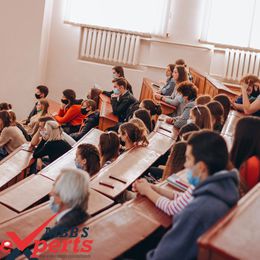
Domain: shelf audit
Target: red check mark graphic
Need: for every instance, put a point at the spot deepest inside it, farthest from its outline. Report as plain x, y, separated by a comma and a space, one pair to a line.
22, 244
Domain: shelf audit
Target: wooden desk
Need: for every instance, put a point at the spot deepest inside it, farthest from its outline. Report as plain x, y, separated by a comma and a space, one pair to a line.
128, 167
237, 235
68, 159
13, 167
164, 128
6, 214
114, 233
24, 224
106, 117
208, 85
98, 202
148, 91
144, 205
159, 142
26, 193
231, 122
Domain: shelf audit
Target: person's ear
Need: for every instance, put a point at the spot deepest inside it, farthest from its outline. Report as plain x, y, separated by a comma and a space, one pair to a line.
203, 169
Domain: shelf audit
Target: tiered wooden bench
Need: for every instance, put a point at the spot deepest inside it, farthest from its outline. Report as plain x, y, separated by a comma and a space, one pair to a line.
148, 91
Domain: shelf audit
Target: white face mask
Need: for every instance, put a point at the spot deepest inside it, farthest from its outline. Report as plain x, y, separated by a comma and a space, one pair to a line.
53, 206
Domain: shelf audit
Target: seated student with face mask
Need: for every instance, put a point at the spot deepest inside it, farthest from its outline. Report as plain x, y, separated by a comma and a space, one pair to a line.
215, 193
88, 159
69, 116
40, 92
118, 72
52, 144
91, 120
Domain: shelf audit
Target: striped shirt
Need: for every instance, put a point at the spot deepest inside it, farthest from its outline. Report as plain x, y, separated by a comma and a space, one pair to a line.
179, 202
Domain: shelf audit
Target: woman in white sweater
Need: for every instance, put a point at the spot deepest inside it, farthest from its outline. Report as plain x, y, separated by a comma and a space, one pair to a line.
11, 137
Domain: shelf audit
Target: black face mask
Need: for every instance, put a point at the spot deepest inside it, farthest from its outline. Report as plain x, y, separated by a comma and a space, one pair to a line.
65, 101
84, 111
38, 96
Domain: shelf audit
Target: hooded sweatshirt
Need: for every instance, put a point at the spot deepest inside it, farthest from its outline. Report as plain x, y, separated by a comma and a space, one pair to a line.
213, 198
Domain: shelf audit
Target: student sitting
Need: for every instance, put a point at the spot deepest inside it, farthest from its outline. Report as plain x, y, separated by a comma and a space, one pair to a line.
140, 124
203, 100
69, 115
187, 95
245, 152
181, 62
224, 100
69, 198
88, 159
186, 129
217, 115
118, 72
144, 115
91, 120
153, 108
174, 164
179, 75
42, 107
250, 108
15, 123
11, 136
168, 88
201, 116
109, 145
5, 106
122, 100
214, 195
40, 92
132, 136
52, 145
169, 202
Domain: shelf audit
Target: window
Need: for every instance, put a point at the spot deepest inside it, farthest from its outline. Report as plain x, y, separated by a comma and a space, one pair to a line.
232, 22
142, 16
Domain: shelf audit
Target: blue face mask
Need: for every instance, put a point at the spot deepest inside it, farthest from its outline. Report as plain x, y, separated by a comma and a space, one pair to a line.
180, 99
78, 165
53, 206
191, 179
116, 91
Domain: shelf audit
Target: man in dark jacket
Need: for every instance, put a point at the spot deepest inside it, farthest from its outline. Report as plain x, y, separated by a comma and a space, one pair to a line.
122, 100
214, 195
68, 198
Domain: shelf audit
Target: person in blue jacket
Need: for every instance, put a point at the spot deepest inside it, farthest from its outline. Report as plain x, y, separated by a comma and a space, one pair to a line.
215, 193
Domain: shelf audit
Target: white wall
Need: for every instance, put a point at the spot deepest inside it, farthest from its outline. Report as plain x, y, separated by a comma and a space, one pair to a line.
38, 48
20, 30
64, 70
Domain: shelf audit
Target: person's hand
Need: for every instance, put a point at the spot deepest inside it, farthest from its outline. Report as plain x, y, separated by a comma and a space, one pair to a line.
141, 186
244, 86
39, 165
157, 96
169, 121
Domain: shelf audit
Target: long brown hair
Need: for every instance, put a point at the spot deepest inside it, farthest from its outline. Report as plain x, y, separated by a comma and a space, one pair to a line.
183, 75
109, 145
176, 160
246, 141
224, 100
217, 112
134, 133
92, 156
202, 117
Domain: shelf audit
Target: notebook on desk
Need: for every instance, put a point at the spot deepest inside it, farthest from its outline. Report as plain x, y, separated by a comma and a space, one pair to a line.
177, 182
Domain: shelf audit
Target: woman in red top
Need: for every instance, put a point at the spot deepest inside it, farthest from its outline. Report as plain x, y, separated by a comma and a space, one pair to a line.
69, 116
245, 153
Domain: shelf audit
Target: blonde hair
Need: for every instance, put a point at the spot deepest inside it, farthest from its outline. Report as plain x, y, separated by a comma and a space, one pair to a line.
53, 130
139, 123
